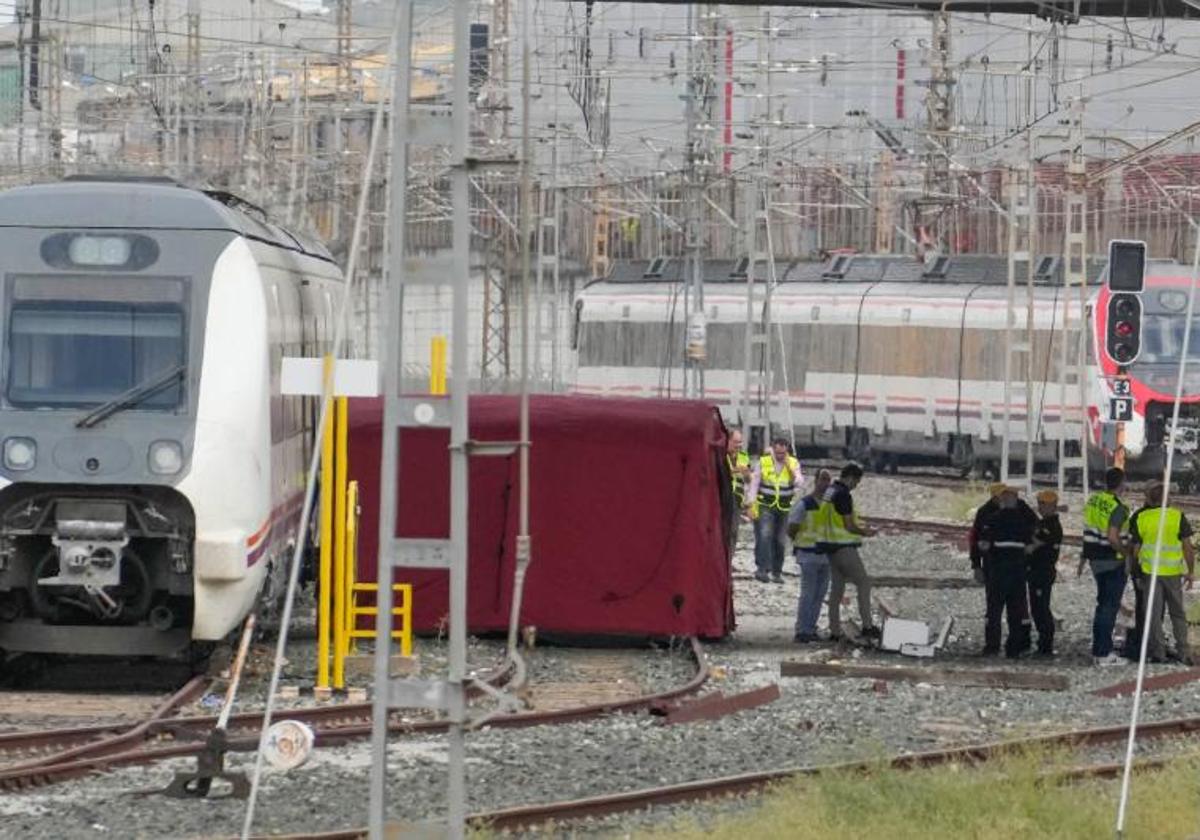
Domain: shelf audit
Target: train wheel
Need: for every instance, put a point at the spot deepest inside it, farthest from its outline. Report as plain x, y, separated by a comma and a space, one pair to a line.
893, 463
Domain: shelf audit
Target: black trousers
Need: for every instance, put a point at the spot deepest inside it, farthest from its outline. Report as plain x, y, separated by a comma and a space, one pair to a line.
1133, 637
1041, 581
1005, 586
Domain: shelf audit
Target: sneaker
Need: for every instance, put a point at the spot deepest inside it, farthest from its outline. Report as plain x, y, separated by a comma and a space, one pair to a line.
987, 651
804, 638
761, 577
1044, 654
872, 633
1108, 661
777, 579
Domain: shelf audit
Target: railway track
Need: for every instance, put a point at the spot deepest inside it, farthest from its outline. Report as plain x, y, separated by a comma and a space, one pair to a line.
566, 811
86, 750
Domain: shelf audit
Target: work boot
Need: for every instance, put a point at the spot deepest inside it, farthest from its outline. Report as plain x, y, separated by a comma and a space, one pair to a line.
761, 577
872, 632
776, 578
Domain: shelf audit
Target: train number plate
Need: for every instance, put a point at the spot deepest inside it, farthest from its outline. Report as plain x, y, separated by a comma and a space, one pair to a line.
1120, 409
1120, 388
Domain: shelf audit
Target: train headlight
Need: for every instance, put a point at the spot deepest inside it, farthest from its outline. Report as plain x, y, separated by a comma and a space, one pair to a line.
20, 453
166, 457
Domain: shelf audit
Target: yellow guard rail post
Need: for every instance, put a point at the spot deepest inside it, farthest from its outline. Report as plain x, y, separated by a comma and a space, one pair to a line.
325, 571
346, 570
341, 463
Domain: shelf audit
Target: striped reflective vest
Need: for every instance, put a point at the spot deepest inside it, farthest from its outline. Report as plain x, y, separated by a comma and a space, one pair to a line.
1170, 560
737, 463
776, 489
806, 535
1096, 513
830, 525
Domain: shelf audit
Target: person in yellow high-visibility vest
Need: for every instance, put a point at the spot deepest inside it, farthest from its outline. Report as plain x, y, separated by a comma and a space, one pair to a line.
737, 460
839, 534
1176, 564
775, 485
814, 566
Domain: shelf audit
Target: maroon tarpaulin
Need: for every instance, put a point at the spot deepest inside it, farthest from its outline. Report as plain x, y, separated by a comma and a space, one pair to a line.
625, 515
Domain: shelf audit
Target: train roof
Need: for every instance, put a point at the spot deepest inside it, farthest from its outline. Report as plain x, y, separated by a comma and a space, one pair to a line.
973, 269
144, 203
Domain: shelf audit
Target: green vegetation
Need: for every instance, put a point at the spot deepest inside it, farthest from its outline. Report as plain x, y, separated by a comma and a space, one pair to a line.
1007, 800
960, 505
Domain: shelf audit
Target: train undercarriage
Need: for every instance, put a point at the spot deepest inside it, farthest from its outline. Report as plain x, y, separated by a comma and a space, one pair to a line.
100, 570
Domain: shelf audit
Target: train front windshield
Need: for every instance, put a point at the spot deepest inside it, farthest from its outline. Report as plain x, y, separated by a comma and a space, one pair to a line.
78, 353
1162, 339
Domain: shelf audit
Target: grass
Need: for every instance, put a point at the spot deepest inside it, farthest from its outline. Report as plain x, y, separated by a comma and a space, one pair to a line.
960, 505
1006, 800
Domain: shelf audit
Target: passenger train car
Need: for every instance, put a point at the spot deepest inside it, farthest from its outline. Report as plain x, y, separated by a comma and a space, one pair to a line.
890, 360
151, 472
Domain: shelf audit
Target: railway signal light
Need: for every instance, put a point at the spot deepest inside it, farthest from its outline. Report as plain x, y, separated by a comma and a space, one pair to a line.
1123, 340
1126, 265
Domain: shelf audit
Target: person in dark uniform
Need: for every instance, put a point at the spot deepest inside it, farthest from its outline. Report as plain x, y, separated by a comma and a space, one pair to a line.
982, 513
1041, 571
1004, 536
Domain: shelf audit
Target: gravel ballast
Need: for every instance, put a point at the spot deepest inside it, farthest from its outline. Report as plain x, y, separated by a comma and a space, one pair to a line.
815, 721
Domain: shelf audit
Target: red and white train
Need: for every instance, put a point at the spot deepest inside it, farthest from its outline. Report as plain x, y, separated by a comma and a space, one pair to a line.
889, 360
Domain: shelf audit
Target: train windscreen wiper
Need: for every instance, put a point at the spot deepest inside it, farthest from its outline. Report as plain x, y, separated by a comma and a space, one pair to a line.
130, 398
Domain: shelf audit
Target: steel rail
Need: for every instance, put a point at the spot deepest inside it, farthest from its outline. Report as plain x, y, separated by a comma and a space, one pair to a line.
193, 726
111, 737
359, 727
531, 816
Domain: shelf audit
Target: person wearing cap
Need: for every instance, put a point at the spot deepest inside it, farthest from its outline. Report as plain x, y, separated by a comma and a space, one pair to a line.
1176, 565
1104, 517
1041, 570
1005, 534
981, 513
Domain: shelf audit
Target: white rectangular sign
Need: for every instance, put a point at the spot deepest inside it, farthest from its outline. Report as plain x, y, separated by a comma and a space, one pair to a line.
351, 377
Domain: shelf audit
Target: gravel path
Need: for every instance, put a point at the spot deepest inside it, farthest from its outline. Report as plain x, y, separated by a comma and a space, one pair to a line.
816, 720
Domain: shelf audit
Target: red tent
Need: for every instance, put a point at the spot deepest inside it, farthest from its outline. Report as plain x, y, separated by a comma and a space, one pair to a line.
626, 516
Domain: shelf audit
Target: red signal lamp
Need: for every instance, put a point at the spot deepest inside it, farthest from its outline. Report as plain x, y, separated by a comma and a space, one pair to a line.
1123, 328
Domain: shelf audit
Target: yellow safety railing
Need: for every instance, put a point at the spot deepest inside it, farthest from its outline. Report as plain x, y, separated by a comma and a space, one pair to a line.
349, 595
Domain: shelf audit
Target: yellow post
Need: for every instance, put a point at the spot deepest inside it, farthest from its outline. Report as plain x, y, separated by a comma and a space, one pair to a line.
341, 465
437, 365
351, 563
326, 571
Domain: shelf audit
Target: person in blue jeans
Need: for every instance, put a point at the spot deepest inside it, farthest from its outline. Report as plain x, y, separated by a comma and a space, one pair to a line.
1104, 516
814, 567
774, 484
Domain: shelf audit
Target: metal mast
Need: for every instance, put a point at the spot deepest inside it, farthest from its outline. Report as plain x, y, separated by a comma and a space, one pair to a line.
758, 365
703, 35
1073, 365
403, 409
939, 117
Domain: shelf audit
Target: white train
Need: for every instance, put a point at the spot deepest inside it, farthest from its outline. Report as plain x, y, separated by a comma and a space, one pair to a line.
151, 472
888, 360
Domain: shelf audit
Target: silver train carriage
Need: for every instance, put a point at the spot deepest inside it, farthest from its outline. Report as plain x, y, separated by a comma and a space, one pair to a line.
151, 472
885, 359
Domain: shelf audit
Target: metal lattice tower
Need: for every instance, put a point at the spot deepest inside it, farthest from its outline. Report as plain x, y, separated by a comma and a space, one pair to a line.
402, 409
1018, 354
1073, 365
344, 79
501, 16
758, 365
939, 119
701, 96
